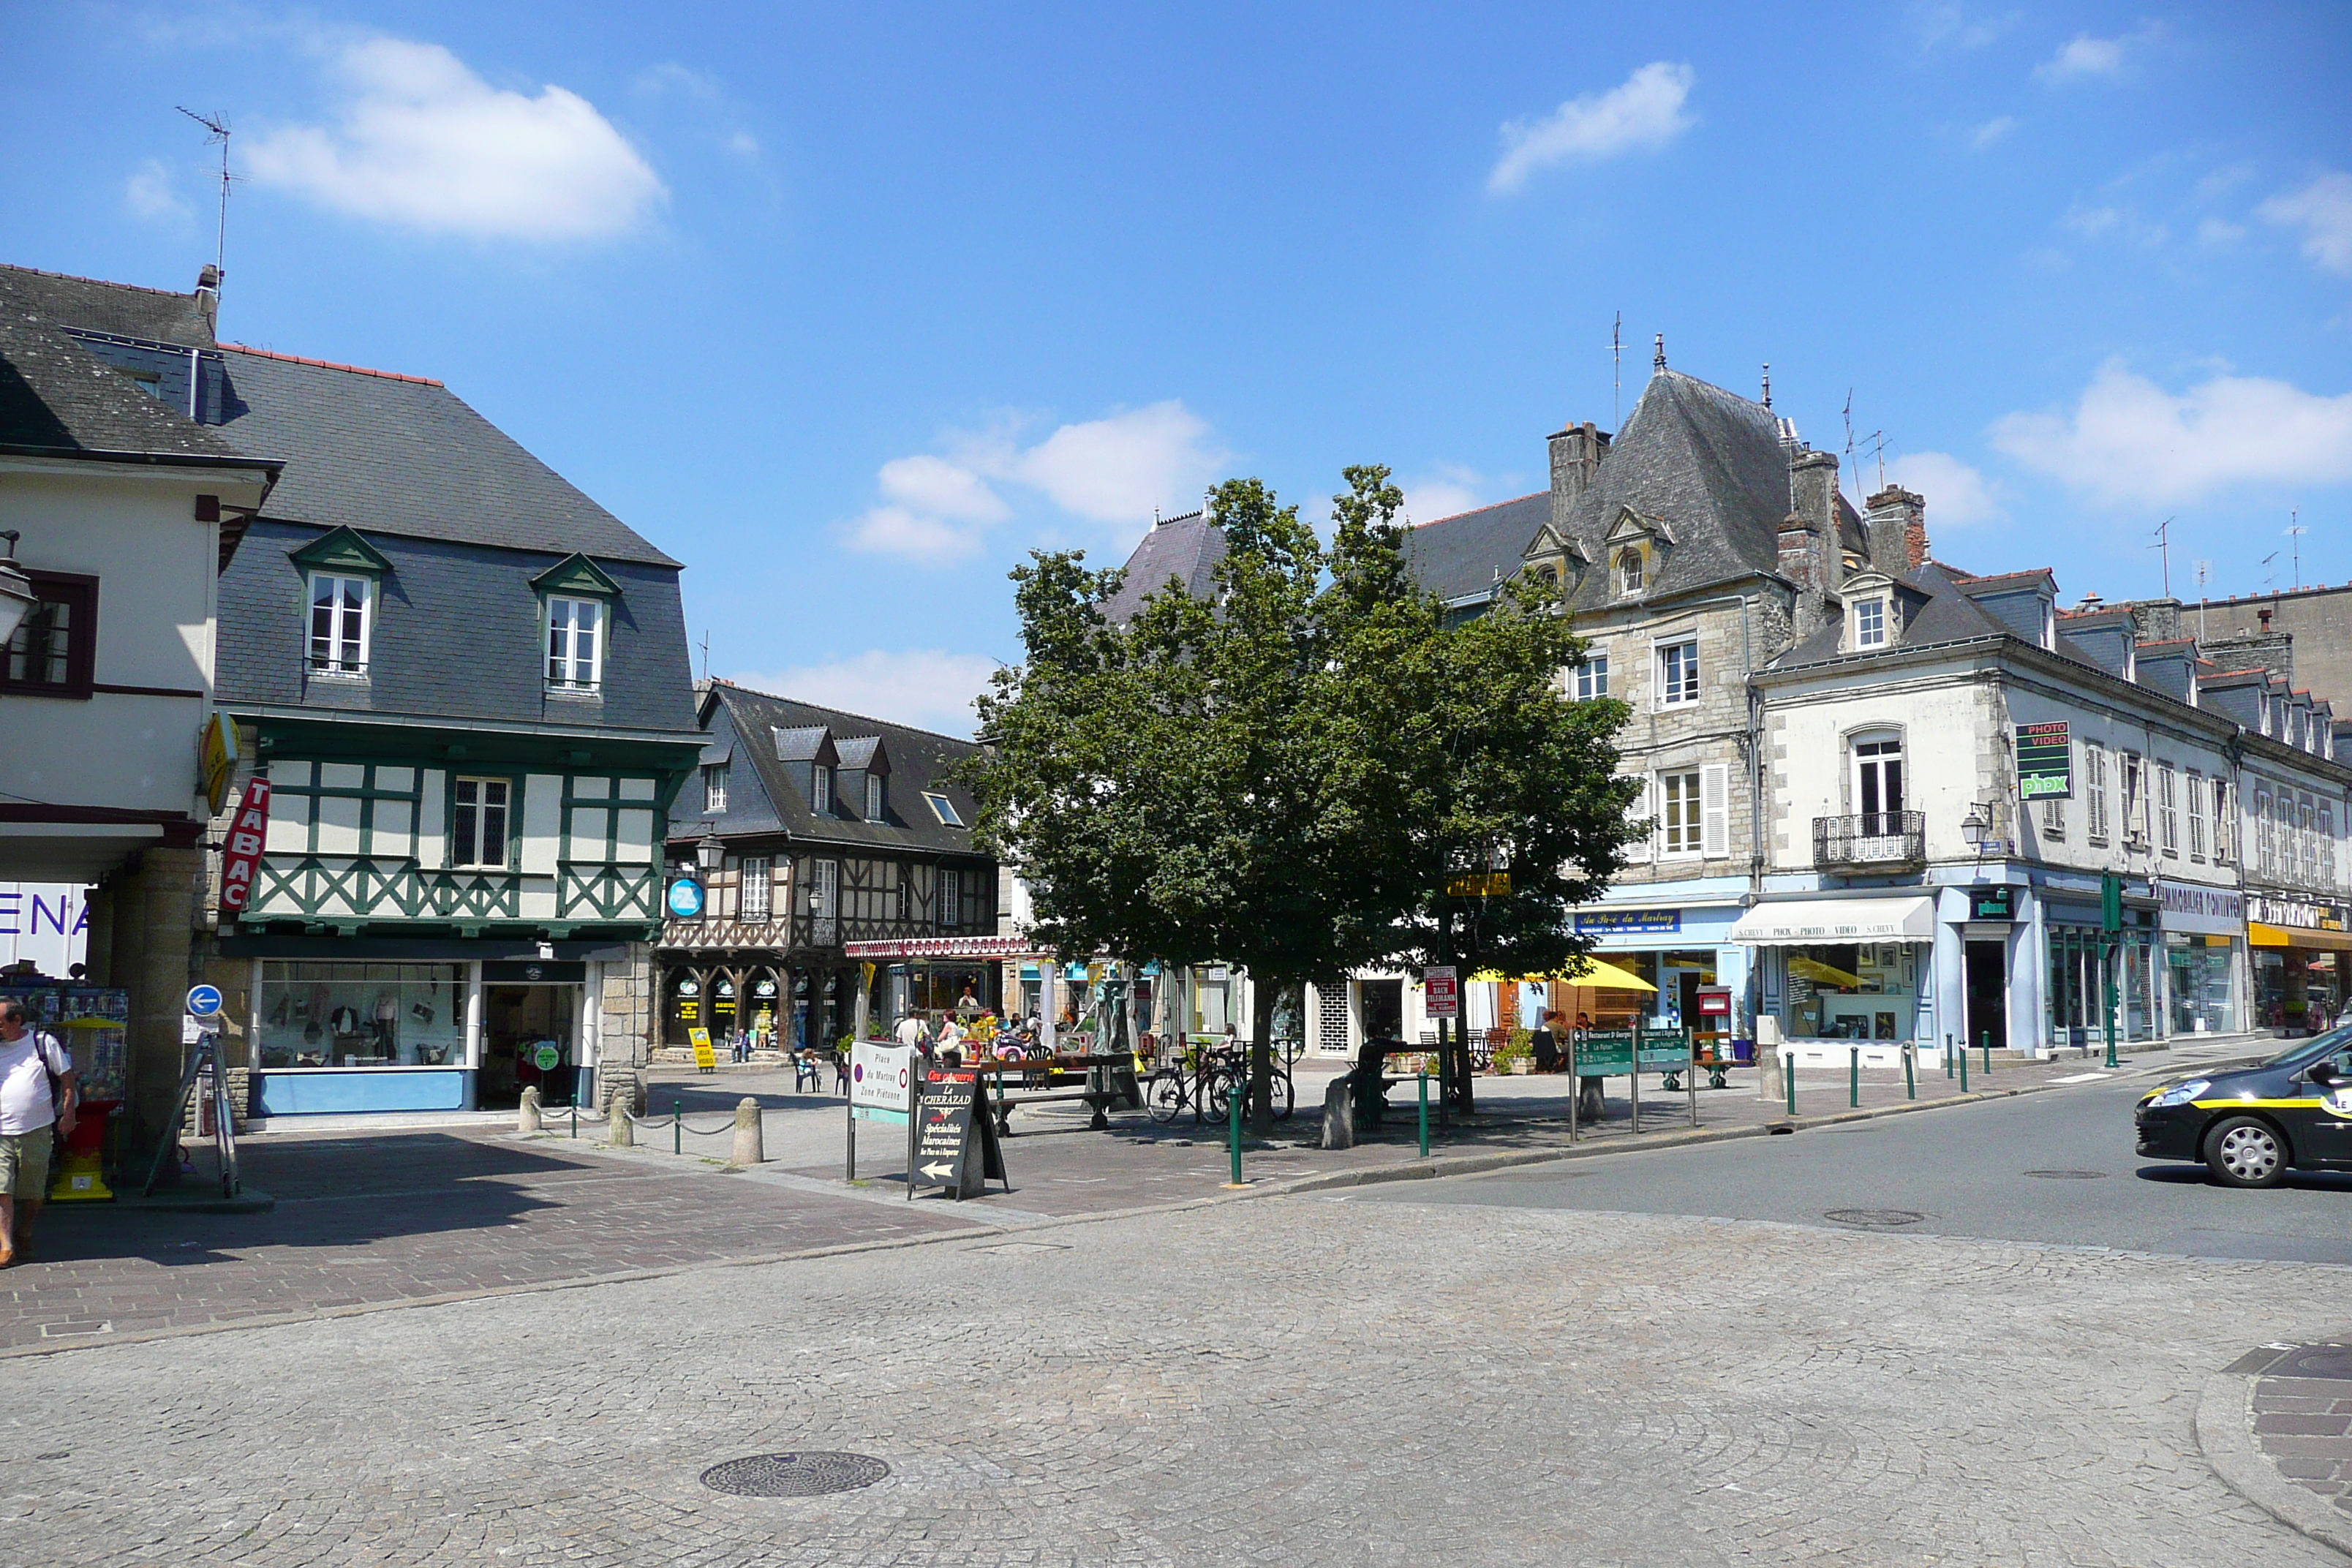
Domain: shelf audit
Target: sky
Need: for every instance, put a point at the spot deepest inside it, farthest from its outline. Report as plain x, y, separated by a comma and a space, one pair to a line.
850, 308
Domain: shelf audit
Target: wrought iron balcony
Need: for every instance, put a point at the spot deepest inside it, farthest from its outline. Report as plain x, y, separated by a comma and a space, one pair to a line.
1875, 840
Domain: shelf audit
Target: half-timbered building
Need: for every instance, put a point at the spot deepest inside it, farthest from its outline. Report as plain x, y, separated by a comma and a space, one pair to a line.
809, 829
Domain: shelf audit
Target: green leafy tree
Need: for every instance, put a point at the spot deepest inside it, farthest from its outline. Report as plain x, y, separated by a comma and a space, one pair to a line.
1283, 776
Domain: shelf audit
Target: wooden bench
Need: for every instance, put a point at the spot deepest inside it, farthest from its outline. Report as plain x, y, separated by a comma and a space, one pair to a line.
1103, 1090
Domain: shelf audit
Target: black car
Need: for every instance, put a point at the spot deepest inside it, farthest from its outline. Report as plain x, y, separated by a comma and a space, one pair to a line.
2249, 1124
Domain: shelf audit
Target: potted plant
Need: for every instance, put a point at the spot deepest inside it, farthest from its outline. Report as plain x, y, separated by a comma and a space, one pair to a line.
1516, 1053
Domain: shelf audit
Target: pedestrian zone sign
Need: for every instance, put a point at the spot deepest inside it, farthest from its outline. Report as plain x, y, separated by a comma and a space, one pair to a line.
881, 1081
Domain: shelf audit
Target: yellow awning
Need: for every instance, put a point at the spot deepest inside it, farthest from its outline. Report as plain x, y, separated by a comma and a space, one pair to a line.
2261, 936
1594, 972
1813, 969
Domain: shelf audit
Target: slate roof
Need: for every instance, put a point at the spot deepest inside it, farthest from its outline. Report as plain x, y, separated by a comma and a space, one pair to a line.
56, 397
400, 455
1457, 557
154, 315
1185, 548
918, 758
1940, 612
1710, 465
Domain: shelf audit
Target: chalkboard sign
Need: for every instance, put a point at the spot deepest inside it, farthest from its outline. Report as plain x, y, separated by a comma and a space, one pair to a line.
955, 1137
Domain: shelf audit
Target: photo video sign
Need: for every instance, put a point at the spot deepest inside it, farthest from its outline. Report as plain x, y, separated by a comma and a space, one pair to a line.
2045, 761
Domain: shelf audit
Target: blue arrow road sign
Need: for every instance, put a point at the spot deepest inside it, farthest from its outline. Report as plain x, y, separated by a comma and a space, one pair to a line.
204, 1001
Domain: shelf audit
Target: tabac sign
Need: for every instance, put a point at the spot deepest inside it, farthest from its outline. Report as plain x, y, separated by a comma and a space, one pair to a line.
2045, 761
241, 856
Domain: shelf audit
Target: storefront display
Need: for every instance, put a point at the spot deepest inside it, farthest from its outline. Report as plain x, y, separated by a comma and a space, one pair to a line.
2302, 964
2199, 971
91, 1022
1860, 991
353, 1016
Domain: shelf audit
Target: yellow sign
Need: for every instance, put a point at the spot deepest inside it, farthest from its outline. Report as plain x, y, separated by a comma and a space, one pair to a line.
705, 1058
1480, 884
216, 759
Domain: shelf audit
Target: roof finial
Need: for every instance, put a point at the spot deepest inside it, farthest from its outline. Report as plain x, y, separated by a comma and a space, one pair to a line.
1768, 386
1659, 358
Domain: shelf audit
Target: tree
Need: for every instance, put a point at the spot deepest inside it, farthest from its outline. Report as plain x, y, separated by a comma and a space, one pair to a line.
1284, 776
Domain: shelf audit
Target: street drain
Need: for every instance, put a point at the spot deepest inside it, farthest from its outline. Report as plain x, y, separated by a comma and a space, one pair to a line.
2333, 1361
795, 1475
1874, 1219
2068, 1175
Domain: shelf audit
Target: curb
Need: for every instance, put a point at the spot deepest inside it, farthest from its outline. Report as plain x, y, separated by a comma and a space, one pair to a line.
2225, 1436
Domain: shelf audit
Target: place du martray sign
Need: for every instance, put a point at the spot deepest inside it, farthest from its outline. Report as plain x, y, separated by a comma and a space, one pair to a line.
955, 1137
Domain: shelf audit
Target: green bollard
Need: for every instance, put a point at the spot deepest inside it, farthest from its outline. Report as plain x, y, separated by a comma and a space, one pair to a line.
1986, 1037
1948, 1055
678, 1127
1423, 1080
1963, 1069
1853, 1078
1910, 1083
1233, 1132
575, 1113
1788, 1078
2111, 1023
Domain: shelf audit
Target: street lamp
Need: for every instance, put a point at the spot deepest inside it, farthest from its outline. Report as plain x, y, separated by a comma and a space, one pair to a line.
710, 852
16, 595
1974, 826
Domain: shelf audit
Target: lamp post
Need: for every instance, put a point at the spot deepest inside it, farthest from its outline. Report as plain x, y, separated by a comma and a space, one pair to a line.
16, 595
710, 853
1975, 825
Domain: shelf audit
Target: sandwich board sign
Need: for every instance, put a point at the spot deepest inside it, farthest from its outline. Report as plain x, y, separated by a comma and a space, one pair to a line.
955, 1136
705, 1058
881, 1081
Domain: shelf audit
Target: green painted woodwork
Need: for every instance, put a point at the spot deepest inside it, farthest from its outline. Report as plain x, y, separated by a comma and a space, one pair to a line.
341, 549
576, 574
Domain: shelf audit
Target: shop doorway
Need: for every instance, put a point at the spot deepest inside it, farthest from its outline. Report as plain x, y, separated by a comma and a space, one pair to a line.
1380, 1005
519, 1023
1988, 976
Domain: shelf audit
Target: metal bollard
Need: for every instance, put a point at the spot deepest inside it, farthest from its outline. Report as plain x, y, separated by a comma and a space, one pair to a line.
1963, 1069
575, 1116
1788, 1078
1986, 1037
1948, 1055
1421, 1079
1233, 1131
1853, 1078
1910, 1059
678, 1127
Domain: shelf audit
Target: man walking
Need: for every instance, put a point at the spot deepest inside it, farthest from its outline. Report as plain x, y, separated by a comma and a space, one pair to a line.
28, 1107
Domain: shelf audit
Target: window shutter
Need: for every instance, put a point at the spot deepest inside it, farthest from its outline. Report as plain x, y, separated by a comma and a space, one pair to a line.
1638, 851
1715, 810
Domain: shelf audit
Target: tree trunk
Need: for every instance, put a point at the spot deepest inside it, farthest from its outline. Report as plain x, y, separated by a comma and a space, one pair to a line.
1263, 992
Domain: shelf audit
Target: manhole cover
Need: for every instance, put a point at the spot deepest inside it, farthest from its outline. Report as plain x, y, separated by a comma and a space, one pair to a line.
2068, 1175
1874, 1219
2316, 1361
795, 1475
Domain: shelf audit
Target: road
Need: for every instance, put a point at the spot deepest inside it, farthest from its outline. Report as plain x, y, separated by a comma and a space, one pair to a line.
2056, 1167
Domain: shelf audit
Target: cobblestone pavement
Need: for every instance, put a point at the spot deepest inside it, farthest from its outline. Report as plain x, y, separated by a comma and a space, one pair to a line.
1304, 1381
365, 1220
2303, 1426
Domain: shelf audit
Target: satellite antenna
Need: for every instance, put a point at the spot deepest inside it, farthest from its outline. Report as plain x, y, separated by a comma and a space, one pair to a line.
2295, 530
2163, 547
217, 125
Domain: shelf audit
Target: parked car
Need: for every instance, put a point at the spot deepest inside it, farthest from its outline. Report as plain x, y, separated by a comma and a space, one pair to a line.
2251, 1125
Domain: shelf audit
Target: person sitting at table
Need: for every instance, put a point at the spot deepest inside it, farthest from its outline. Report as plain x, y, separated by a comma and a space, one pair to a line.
1545, 1037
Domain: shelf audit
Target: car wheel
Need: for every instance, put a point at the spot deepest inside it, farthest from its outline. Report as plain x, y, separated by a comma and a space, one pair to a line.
2245, 1152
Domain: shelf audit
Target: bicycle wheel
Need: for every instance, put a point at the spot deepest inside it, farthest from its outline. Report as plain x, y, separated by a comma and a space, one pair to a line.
1166, 1097
1219, 1100
1283, 1097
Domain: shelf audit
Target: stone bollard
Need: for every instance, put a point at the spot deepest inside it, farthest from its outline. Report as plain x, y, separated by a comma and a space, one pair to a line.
1769, 1086
621, 1136
1339, 1112
750, 1143
527, 1118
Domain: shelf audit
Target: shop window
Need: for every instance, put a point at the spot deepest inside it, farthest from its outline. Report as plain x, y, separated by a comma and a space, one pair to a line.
361, 1016
2195, 792
341, 608
714, 787
54, 651
755, 879
2167, 811
1678, 674
575, 643
478, 824
1592, 677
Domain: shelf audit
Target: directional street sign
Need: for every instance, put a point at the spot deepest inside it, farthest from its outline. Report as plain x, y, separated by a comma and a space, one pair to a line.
204, 1001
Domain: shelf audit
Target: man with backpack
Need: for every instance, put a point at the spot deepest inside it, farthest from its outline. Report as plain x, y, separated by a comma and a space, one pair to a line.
37, 1099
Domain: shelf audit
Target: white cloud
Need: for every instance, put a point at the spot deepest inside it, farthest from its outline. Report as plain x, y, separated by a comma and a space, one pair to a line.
1991, 131
927, 688
1116, 469
2085, 56
421, 143
1942, 25
2119, 222
148, 193
926, 540
2219, 233
1957, 496
2323, 210
942, 489
2130, 440
1447, 490
1644, 110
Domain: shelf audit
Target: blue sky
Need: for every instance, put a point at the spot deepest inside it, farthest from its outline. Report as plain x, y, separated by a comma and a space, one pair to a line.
848, 308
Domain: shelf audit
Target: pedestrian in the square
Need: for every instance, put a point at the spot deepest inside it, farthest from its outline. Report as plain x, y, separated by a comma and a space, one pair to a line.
38, 1097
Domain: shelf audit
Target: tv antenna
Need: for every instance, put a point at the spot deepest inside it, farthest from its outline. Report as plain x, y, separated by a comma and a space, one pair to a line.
2163, 547
1852, 446
1617, 374
2295, 530
217, 127
2271, 581
2204, 572
706, 656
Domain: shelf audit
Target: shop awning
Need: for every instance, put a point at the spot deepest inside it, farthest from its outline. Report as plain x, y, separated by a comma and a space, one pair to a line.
1794, 922
1594, 972
2261, 936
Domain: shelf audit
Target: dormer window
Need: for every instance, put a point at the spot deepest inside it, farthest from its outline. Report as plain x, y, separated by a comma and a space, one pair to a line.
340, 617
874, 798
821, 789
1629, 572
575, 643
1870, 622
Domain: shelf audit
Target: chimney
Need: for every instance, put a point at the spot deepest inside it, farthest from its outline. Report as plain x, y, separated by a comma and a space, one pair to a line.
1812, 481
208, 284
1575, 454
1897, 526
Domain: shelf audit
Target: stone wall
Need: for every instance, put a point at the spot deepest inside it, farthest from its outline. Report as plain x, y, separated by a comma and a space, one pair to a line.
2320, 621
